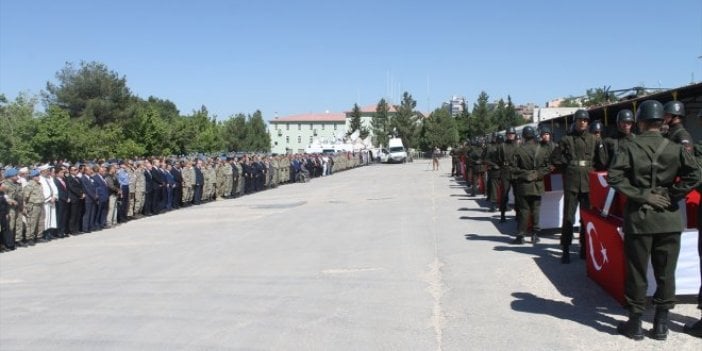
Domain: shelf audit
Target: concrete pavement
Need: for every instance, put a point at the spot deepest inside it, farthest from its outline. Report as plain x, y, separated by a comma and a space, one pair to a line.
384, 257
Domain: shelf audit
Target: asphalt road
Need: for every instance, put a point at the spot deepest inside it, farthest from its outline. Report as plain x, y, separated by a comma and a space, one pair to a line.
384, 257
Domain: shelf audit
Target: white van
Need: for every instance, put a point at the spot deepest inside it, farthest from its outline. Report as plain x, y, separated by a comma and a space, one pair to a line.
397, 151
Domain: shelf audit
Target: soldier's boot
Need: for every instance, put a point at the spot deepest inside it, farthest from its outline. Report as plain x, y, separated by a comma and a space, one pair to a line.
519, 240
565, 255
632, 327
660, 325
694, 329
502, 217
492, 207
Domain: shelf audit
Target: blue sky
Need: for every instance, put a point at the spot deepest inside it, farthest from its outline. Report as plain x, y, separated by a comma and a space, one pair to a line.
290, 57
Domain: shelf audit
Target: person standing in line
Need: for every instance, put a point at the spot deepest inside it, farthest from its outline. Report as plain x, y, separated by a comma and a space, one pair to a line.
33, 198
646, 171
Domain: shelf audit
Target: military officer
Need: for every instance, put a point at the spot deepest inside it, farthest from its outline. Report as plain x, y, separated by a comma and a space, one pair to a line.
646, 171
13, 194
531, 165
33, 197
580, 152
505, 161
188, 183
493, 170
139, 189
695, 329
674, 118
625, 128
476, 165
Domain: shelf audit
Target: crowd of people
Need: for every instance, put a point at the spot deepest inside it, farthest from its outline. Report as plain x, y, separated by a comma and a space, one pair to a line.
654, 168
61, 199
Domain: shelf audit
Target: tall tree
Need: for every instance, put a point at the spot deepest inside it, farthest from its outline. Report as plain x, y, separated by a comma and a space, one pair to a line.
499, 115
17, 127
380, 123
438, 130
405, 121
463, 122
206, 138
91, 92
355, 123
512, 118
234, 132
480, 122
257, 139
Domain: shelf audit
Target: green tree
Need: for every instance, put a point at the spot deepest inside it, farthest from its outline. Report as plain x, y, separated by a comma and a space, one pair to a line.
480, 121
53, 138
149, 130
17, 127
355, 123
463, 122
257, 138
380, 123
206, 134
570, 101
499, 115
91, 92
234, 132
599, 97
512, 118
404, 123
438, 130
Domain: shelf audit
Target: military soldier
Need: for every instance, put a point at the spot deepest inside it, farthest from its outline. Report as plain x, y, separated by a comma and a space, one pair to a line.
695, 329
580, 152
476, 165
13, 194
531, 165
33, 197
625, 126
505, 159
674, 117
646, 171
132, 188
493, 171
547, 145
188, 183
139, 189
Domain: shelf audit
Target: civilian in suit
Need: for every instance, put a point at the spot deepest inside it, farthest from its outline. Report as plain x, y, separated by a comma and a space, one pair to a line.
148, 187
62, 203
91, 199
178, 185
103, 192
75, 199
158, 187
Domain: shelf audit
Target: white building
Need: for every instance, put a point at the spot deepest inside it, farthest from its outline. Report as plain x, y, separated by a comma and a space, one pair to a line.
542, 114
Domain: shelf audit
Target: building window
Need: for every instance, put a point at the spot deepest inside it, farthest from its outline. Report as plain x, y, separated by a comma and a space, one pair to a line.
299, 139
287, 139
299, 126
287, 126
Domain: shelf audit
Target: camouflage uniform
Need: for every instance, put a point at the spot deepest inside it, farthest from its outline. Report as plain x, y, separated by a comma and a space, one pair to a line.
132, 191
139, 190
34, 209
13, 191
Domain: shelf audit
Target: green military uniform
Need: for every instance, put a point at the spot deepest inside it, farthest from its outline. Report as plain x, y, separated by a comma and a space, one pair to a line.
13, 192
646, 171
505, 159
139, 190
33, 197
188, 183
476, 166
580, 152
131, 175
493, 172
531, 165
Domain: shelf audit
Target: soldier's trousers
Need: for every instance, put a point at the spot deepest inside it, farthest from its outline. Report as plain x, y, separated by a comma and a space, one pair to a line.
492, 186
529, 207
571, 200
15, 224
475, 181
187, 194
663, 250
504, 197
131, 203
7, 237
139, 198
74, 215
35, 221
197, 194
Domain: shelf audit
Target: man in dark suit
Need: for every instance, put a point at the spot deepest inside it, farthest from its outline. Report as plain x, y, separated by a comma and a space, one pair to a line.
75, 199
103, 198
91, 199
178, 187
61, 203
199, 182
159, 183
148, 187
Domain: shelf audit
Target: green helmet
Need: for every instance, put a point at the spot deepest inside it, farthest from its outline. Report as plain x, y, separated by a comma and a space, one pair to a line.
581, 114
511, 130
650, 110
675, 108
545, 130
625, 116
500, 138
528, 132
596, 127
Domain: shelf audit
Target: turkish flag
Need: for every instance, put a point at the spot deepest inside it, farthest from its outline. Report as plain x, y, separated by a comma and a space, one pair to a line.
692, 202
605, 261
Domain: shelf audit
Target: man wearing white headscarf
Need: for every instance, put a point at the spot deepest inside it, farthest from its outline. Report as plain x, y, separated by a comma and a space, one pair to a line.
48, 186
